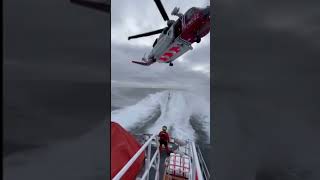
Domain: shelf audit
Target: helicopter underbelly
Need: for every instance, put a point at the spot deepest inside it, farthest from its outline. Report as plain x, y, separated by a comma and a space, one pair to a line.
172, 51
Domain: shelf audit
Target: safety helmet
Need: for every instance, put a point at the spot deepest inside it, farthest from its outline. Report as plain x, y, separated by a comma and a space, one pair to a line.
164, 128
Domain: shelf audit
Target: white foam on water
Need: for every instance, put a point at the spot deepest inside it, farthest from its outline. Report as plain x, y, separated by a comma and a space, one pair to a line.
177, 107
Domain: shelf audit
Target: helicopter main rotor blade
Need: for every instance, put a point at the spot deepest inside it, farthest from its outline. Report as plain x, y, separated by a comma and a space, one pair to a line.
101, 6
162, 10
146, 34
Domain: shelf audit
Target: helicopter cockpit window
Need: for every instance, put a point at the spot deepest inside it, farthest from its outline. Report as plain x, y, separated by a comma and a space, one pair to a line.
189, 14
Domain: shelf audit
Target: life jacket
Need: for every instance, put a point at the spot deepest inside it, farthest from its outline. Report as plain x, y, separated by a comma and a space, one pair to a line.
164, 136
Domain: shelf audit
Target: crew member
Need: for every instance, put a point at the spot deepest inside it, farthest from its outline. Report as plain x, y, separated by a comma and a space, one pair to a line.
164, 139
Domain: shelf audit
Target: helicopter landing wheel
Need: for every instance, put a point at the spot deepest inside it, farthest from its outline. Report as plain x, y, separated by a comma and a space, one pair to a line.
198, 40
170, 64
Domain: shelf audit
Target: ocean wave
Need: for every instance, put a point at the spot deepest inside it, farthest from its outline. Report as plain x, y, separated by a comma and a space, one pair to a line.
186, 115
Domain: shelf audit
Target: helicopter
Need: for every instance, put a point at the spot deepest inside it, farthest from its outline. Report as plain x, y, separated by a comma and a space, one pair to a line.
177, 37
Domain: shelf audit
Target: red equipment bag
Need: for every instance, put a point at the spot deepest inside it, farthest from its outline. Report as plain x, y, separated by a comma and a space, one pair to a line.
123, 148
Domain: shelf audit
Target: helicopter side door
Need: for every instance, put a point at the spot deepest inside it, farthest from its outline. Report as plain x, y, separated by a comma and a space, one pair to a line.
163, 43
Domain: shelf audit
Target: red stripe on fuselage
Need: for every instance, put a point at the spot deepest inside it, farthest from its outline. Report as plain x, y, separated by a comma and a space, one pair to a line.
168, 54
175, 49
164, 59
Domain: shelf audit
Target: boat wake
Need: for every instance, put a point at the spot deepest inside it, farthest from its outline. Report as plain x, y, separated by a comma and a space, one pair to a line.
186, 115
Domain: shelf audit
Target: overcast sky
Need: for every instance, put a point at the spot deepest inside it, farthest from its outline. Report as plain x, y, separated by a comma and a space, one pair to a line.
134, 17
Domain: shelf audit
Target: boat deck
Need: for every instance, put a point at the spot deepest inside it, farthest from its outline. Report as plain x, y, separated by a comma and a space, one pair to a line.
163, 156
179, 147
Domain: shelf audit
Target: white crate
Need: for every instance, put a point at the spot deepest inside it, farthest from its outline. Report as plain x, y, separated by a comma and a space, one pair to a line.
178, 165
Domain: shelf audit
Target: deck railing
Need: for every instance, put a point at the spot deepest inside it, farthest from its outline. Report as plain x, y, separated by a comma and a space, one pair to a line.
150, 162
198, 168
203, 165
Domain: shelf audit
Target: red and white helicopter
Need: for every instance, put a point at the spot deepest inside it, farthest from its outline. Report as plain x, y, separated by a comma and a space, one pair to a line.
177, 37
